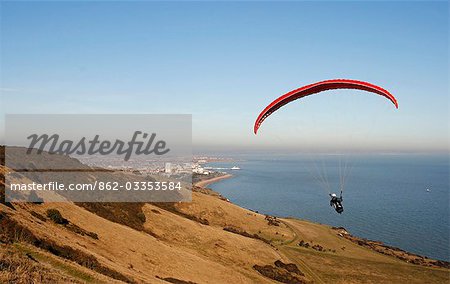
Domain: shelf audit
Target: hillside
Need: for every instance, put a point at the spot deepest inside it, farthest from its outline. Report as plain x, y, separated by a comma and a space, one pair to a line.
208, 240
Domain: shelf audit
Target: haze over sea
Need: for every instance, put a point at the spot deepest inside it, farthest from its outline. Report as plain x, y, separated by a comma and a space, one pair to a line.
385, 197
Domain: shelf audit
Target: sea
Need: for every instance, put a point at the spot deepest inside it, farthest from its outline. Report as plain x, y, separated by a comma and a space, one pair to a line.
401, 200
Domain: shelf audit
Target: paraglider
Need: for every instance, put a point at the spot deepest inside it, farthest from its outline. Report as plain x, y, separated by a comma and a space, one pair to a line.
336, 202
315, 88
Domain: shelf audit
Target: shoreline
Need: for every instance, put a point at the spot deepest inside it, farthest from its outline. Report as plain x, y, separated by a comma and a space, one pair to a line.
206, 182
373, 245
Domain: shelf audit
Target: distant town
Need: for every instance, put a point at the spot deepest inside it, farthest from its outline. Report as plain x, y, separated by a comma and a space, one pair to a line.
151, 167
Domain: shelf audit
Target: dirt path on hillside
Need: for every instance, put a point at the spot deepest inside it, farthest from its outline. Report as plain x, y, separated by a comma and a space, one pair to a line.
294, 259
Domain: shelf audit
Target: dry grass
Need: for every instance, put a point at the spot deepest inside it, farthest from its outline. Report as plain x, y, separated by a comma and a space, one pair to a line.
17, 267
13, 232
354, 263
220, 213
185, 243
126, 213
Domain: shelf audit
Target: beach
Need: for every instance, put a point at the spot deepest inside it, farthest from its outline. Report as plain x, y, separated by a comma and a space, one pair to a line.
206, 182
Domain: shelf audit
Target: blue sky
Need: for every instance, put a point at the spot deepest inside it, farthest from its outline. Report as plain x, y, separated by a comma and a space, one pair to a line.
224, 62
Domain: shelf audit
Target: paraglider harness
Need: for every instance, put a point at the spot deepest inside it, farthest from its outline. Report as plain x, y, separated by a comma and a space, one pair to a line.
336, 203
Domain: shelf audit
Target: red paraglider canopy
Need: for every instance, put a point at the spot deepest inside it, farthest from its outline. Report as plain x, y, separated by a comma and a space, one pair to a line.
317, 88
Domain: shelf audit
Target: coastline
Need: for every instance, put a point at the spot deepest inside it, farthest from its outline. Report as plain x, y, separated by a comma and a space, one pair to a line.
287, 248
373, 245
206, 182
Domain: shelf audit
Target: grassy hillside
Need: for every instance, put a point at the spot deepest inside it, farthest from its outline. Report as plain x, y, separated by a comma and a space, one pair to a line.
208, 240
